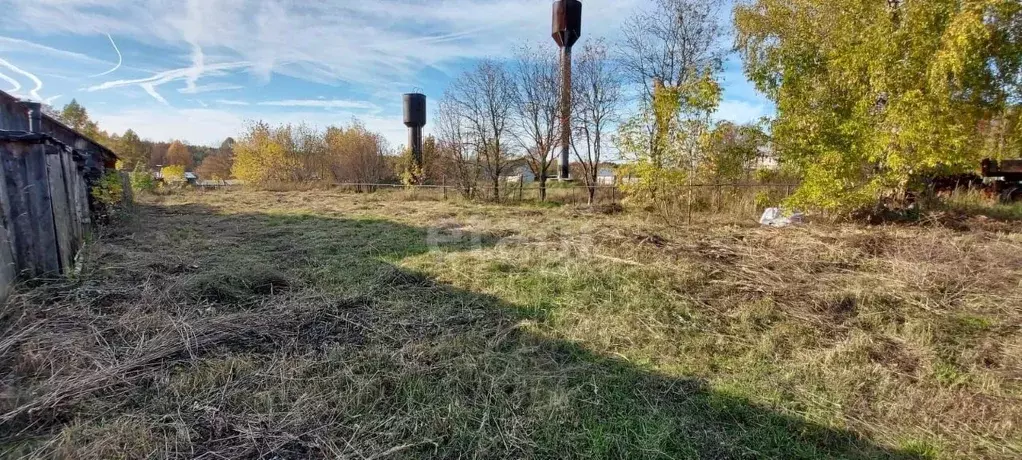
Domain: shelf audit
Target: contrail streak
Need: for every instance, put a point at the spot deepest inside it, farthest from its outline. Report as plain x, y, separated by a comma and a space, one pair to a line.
120, 59
149, 84
38, 83
151, 89
17, 86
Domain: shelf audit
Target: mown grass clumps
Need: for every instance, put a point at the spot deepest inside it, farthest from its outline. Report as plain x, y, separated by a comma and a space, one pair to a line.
325, 325
234, 284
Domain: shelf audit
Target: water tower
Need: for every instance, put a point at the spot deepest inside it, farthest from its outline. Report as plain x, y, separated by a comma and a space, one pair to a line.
567, 28
415, 119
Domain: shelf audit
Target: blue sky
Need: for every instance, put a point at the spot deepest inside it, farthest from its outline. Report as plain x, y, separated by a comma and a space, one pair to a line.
199, 70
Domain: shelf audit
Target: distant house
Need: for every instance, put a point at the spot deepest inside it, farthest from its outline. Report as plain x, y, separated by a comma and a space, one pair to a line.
189, 177
767, 159
606, 175
520, 171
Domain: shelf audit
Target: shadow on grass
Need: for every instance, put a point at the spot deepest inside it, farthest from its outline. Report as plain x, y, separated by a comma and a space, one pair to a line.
441, 371
1006, 212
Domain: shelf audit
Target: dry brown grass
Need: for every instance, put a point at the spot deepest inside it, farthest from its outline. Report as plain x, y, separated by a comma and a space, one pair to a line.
327, 325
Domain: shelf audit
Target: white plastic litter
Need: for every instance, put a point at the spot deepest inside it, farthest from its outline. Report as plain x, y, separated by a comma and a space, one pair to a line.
773, 217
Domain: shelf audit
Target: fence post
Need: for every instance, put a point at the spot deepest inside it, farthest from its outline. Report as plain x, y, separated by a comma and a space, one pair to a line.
736, 195
690, 204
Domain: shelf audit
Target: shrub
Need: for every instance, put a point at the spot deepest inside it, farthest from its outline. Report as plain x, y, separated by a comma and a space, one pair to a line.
142, 181
173, 173
109, 190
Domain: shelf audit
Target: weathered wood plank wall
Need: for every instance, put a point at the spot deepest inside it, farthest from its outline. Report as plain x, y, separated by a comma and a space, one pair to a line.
8, 267
45, 182
61, 207
30, 210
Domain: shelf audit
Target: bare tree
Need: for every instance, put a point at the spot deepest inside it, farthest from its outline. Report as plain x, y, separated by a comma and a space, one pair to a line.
456, 155
675, 43
537, 110
597, 100
485, 99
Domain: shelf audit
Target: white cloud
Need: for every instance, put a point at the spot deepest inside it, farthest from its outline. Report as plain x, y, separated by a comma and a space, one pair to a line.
326, 42
323, 104
380, 48
230, 102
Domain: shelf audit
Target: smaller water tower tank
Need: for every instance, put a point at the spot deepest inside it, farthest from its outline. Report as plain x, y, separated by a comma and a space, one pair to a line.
415, 119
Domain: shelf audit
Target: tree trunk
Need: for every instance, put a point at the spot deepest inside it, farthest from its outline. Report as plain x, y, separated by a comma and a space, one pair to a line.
496, 189
592, 194
542, 188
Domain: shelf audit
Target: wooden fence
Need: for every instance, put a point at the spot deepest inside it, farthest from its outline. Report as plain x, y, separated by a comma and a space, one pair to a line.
46, 173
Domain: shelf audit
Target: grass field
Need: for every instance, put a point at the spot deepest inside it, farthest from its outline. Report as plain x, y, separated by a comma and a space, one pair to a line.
327, 325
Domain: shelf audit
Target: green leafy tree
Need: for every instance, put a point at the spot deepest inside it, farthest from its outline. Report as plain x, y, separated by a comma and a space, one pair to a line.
131, 150
142, 180
77, 118
665, 140
870, 94
731, 151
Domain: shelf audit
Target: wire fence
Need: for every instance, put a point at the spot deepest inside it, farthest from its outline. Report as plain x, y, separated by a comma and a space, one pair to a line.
677, 200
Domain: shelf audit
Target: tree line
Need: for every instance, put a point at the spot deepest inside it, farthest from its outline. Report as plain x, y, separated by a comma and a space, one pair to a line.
261, 155
140, 154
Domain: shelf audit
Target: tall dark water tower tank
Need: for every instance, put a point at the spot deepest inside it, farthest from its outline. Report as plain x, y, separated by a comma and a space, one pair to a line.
567, 22
415, 119
566, 29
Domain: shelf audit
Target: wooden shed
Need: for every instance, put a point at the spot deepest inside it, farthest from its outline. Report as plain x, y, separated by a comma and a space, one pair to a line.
46, 208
